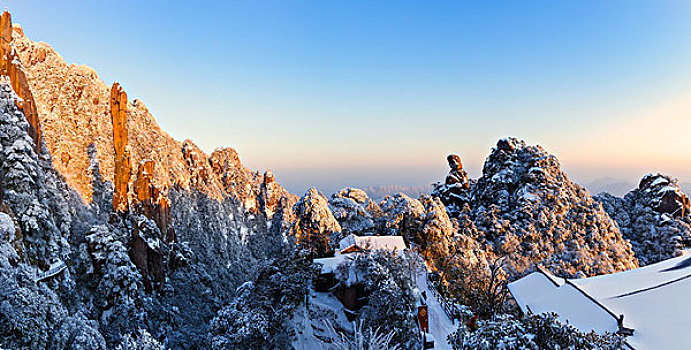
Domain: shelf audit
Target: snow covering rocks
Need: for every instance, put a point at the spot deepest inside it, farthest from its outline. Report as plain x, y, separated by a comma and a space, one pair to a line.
125, 284
526, 208
100, 298
315, 228
654, 217
354, 211
400, 216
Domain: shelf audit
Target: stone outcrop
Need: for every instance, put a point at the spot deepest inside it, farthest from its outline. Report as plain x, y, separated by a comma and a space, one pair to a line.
454, 192
123, 167
654, 217
525, 208
234, 178
457, 175
668, 198
400, 216
151, 202
270, 194
11, 67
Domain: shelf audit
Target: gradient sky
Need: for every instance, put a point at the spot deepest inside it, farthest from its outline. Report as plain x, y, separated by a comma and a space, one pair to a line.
357, 93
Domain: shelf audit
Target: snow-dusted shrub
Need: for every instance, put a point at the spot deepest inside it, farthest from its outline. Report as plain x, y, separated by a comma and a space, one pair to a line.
360, 339
534, 332
139, 340
481, 287
435, 240
119, 290
388, 282
353, 209
78, 334
120, 282
26, 192
654, 217
257, 317
400, 216
315, 227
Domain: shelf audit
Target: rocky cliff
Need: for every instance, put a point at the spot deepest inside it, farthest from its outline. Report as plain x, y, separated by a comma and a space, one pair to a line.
74, 110
113, 234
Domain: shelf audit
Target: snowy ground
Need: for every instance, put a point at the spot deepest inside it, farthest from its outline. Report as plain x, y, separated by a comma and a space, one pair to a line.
309, 320
440, 325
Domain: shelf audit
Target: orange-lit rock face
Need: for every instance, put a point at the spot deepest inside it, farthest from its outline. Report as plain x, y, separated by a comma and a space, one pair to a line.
270, 194
457, 175
12, 68
74, 111
118, 112
151, 202
144, 182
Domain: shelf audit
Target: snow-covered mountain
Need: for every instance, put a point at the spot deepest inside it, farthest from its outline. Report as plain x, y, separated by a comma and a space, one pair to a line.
113, 235
654, 217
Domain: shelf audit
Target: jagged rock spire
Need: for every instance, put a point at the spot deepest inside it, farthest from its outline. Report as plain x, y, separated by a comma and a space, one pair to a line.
123, 167
11, 67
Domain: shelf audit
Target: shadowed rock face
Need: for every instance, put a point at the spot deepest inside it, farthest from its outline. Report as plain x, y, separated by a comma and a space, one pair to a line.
669, 198
454, 192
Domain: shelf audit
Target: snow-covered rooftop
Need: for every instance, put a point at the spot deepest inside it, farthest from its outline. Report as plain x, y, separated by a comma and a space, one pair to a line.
389, 243
653, 299
361, 243
330, 264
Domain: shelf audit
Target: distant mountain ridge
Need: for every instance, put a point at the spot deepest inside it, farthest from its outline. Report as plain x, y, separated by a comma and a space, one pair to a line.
620, 187
381, 191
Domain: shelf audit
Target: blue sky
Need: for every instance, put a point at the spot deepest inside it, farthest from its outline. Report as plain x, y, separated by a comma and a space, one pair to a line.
332, 94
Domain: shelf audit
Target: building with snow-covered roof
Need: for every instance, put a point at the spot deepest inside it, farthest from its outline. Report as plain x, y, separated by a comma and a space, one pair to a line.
345, 285
650, 305
353, 243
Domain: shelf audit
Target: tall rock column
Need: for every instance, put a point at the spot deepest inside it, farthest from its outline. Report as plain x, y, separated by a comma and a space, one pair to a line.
12, 68
6, 43
151, 202
123, 166
270, 195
